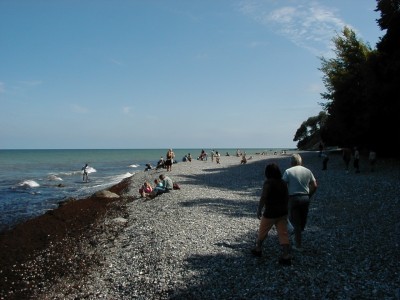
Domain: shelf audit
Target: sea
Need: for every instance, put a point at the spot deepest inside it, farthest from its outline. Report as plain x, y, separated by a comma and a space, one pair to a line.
35, 181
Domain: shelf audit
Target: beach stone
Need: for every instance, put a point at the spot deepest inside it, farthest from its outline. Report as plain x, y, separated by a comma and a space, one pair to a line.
120, 220
106, 194
195, 243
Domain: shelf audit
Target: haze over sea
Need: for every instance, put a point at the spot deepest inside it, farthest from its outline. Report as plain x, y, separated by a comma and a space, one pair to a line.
35, 181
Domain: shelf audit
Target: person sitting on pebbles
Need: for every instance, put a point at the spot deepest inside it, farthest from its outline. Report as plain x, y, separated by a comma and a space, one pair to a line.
161, 163
145, 189
167, 183
163, 184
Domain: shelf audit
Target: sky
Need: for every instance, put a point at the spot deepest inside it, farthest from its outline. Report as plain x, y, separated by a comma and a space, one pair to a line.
139, 74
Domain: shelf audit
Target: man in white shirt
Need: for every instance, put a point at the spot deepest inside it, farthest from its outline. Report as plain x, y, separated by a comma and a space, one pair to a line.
301, 185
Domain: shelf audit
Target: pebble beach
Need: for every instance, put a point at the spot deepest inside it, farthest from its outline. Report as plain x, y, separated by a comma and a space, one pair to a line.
194, 243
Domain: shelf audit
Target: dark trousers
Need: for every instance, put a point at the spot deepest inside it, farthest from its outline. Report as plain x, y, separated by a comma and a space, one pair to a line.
325, 163
356, 165
298, 212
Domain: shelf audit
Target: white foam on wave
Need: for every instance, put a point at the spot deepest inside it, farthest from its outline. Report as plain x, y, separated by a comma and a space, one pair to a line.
134, 166
106, 182
69, 173
122, 176
116, 179
28, 184
53, 177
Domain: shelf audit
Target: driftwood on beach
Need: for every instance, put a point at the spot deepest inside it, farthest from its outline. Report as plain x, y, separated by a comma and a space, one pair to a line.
195, 243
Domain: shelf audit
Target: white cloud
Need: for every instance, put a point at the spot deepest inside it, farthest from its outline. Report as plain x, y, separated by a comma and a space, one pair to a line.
284, 16
116, 62
307, 24
79, 109
127, 110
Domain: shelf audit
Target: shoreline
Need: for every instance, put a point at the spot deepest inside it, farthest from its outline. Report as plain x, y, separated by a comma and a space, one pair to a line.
34, 181
216, 204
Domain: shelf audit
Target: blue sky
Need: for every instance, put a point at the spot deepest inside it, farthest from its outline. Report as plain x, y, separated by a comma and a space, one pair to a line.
161, 74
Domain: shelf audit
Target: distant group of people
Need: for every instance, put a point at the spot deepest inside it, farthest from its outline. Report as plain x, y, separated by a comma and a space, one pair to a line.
215, 155
163, 183
347, 154
187, 157
168, 162
285, 196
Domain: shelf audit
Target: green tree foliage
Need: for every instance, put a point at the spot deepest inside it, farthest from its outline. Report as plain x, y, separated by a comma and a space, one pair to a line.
386, 66
345, 78
389, 21
362, 89
309, 130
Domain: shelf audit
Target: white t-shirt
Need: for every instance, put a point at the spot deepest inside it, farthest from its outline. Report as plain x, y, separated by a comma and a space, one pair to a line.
298, 179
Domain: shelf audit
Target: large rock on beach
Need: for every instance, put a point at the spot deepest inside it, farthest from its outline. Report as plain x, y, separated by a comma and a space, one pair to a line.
106, 194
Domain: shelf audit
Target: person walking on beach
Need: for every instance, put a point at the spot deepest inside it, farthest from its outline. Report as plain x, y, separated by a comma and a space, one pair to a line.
321, 148
274, 200
346, 154
85, 177
372, 160
217, 157
356, 162
302, 185
325, 159
170, 159
212, 155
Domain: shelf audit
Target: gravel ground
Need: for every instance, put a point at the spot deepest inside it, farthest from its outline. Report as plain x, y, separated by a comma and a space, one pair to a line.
194, 243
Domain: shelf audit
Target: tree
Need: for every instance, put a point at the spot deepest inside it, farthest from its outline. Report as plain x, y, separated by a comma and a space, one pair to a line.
389, 21
386, 66
344, 79
362, 95
309, 131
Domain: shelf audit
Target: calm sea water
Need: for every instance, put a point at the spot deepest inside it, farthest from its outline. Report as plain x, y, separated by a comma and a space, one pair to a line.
34, 181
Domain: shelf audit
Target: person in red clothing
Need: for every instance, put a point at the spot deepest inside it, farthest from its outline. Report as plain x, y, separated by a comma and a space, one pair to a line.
145, 189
